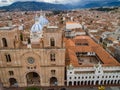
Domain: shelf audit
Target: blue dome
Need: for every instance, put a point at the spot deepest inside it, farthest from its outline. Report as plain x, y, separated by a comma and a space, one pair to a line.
37, 27
43, 21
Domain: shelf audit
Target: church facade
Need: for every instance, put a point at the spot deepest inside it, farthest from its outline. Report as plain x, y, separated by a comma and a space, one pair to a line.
36, 58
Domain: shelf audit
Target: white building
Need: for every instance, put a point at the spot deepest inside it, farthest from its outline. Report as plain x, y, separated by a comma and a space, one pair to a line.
72, 25
99, 75
73, 29
89, 64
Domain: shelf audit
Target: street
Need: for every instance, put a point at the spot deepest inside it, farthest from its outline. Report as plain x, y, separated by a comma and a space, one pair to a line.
69, 88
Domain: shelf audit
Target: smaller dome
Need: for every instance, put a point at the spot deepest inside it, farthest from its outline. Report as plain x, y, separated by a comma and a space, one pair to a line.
43, 21
37, 27
36, 18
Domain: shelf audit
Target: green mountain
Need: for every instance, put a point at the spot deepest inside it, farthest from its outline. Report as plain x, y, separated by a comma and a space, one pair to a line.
34, 6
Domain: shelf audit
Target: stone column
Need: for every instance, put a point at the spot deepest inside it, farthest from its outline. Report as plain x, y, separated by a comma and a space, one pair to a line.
80, 83
107, 82
94, 82
90, 82
1, 86
110, 82
72, 83
113, 81
76, 83
87, 83
117, 82
67, 83
99, 82
83, 82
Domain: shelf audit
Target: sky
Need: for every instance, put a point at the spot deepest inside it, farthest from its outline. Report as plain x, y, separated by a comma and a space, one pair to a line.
8, 2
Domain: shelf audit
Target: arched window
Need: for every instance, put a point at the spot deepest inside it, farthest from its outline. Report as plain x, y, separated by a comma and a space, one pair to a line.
29, 42
53, 72
52, 56
52, 42
4, 41
70, 83
8, 57
13, 82
33, 78
75, 83
53, 81
11, 73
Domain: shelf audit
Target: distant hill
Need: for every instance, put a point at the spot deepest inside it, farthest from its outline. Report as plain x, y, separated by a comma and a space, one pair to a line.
99, 4
106, 9
34, 6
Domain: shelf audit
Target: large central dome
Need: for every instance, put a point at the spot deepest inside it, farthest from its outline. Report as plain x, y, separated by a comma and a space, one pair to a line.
37, 27
40, 22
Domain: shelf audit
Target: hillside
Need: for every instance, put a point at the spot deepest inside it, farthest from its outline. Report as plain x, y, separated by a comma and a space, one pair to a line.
34, 6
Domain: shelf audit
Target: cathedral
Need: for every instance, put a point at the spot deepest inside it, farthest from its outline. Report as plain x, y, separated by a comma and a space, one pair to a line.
32, 58
48, 55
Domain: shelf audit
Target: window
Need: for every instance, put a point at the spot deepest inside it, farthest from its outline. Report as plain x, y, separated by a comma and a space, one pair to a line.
8, 58
53, 72
81, 44
4, 41
70, 72
52, 42
30, 60
29, 42
98, 71
11, 73
52, 57
34, 67
78, 54
28, 67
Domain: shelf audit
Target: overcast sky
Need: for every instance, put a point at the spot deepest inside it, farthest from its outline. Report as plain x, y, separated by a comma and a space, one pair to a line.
7, 2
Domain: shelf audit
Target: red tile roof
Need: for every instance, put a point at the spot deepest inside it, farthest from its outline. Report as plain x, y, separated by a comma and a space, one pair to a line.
71, 48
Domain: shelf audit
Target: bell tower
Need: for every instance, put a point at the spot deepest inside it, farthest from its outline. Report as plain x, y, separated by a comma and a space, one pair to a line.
52, 37
55, 54
98, 69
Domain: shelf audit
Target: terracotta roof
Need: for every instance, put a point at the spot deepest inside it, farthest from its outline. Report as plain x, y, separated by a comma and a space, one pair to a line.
72, 48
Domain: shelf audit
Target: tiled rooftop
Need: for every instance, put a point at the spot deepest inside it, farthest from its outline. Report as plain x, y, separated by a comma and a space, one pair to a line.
72, 48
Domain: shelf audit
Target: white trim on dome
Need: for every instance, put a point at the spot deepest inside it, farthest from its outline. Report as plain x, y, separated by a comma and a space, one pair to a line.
37, 27
43, 21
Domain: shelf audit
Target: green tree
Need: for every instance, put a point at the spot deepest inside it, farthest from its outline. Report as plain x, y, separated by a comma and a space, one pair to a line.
32, 88
21, 37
